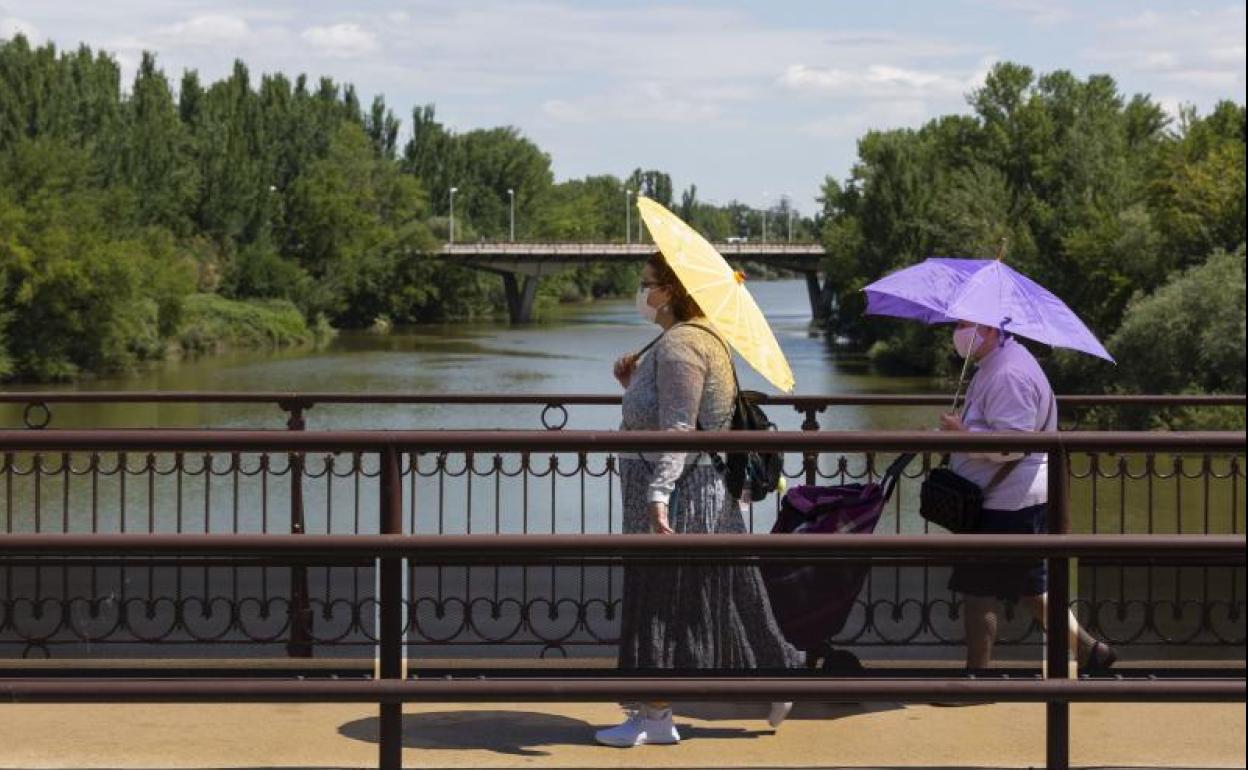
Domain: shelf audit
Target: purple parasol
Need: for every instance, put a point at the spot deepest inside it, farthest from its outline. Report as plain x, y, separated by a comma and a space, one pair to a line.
983, 291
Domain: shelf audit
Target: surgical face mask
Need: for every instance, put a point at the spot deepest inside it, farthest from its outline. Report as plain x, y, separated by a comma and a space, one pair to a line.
966, 340
643, 305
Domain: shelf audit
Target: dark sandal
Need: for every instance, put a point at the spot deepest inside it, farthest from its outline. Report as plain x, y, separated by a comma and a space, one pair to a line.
1100, 658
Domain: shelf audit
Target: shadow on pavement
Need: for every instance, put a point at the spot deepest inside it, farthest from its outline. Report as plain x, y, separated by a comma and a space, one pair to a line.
746, 712
516, 733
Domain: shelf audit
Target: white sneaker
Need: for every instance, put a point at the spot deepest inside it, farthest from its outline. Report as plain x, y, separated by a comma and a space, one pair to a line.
644, 725
779, 712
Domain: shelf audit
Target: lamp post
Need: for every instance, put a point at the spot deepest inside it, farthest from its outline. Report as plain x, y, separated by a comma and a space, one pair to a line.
788, 207
451, 228
764, 216
511, 205
639, 230
628, 215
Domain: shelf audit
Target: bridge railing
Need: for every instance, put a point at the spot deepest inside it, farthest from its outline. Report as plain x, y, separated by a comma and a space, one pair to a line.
34, 409
549, 482
390, 687
639, 250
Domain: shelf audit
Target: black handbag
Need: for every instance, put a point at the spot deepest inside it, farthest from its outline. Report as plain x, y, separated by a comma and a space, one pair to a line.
955, 502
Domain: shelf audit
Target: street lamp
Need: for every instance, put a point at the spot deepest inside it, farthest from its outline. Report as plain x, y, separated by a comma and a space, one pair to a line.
628, 216
764, 216
451, 228
788, 207
511, 199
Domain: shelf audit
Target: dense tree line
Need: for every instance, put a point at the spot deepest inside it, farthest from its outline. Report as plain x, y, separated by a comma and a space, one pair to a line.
1134, 220
119, 207
147, 218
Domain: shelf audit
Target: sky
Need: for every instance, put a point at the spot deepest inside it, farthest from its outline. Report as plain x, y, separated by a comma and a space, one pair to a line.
749, 100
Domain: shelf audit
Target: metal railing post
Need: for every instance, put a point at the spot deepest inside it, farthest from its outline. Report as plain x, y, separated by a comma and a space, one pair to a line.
390, 632
810, 460
300, 643
1057, 639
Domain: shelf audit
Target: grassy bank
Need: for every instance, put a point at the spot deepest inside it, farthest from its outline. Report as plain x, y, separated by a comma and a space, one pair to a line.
212, 323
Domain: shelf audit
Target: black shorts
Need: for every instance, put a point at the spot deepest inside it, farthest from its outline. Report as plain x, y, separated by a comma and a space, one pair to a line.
1005, 580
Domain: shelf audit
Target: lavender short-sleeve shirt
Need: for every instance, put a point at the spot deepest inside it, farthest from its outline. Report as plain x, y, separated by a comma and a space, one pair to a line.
1009, 392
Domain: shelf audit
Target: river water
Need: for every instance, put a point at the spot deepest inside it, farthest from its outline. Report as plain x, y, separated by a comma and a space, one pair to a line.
569, 352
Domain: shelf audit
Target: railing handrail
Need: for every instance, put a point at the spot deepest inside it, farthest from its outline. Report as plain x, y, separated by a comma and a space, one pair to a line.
729, 248
566, 689
586, 441
307, 398
434, 549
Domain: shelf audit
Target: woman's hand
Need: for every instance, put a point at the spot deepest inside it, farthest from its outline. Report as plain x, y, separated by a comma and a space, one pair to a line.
624, 366
658, 519
952, 422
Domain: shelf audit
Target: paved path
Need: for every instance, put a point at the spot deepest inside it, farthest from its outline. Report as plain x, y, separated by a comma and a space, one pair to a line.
560, 735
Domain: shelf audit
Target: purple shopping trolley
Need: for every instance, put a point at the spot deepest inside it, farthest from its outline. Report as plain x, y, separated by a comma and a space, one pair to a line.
812, 602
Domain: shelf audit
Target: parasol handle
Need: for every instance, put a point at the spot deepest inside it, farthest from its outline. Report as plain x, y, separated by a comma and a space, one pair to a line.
966, 365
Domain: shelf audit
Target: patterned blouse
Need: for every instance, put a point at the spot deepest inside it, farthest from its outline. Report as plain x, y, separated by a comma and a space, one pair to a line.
685, 381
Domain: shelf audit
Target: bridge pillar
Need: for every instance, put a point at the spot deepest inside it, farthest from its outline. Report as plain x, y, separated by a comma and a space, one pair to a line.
821, 296
521, 291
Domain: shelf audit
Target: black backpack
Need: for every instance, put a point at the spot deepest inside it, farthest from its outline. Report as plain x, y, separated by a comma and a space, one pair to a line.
756, 472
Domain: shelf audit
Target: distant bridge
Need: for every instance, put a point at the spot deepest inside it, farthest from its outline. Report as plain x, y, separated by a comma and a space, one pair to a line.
522, 265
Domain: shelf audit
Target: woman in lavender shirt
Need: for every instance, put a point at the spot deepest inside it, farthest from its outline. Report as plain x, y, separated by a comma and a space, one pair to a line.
1009, 392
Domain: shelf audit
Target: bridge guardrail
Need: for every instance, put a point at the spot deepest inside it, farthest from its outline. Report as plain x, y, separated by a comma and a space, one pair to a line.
1056, 689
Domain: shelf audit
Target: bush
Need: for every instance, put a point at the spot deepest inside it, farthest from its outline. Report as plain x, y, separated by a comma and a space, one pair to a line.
1186, 337
212, 323
1189, 334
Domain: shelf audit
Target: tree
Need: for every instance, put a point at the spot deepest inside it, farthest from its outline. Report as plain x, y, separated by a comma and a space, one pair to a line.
153, 150
1188, 335
360, 220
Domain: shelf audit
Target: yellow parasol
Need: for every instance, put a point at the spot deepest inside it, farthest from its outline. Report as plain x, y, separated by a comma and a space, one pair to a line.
720, 292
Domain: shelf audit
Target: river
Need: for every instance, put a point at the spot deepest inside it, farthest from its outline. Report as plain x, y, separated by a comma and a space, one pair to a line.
571, 351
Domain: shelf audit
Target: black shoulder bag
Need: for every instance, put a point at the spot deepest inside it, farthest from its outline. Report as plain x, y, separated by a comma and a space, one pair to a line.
756, 472
955, 502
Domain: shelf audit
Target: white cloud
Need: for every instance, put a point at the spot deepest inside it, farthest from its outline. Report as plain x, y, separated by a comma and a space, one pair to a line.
563, 111
875, 80
1233, 54
648, 101
207, 30
344, 40
882, 96
697, 49
11, 26
905, 113
1042, 13
1199, 51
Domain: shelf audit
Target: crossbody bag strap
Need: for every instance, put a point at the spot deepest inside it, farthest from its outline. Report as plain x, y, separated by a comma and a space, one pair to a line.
1000, 475
697, 423
1005, 469
716, 460
736, 385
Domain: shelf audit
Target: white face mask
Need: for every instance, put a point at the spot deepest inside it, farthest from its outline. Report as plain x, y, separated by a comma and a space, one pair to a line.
643, 305
966, 340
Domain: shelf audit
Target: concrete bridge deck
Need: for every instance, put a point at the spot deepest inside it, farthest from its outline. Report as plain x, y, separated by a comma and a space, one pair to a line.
627, 252
561, 735
523, 264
